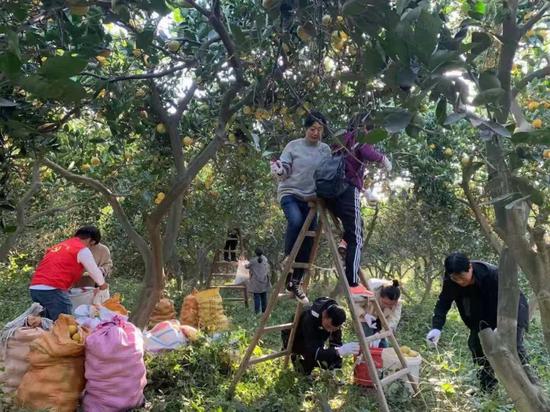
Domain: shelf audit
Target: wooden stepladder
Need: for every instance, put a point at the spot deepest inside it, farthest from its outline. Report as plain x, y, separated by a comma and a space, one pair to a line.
386, 332
223, 270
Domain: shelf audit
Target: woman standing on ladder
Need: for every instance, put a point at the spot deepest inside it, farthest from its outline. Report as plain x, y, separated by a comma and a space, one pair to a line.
294, 170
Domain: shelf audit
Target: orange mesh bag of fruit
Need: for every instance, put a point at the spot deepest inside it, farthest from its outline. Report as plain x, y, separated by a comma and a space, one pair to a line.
189, 314
55, 377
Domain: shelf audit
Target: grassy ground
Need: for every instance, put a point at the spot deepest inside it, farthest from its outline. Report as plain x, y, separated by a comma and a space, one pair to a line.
196, 378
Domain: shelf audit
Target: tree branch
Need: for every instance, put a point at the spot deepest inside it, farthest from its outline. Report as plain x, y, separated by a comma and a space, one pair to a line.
533, 20
184, 101
110, 197
537, 74
20, 210
486, 228
148, 75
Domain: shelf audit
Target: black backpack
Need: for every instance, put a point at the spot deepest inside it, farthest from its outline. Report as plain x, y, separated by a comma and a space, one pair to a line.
330, 176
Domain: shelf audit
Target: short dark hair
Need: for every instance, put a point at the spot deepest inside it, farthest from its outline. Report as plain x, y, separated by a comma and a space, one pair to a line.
337, 315
456, 262
259, 252
314, 116
392, 292
88, 232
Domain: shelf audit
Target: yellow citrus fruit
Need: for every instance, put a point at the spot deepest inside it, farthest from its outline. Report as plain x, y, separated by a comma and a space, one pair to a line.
187, 141
465, 160
247, 110
85, 167
140, 92
95, 161
533, 105
340, 19
173, 45
232, 138
72, 329
160, 197
326, 20
161, 128
546, 154
137, 52
303, 34
76, 337
432, 146
448, 151
537, 123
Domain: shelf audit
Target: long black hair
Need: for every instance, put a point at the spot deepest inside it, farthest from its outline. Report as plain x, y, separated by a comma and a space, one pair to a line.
392, 292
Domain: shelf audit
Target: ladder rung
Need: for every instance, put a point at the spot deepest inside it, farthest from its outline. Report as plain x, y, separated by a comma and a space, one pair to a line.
311, 233
277, 328
264, 358
379, 335
285, 296
298, 265
394, 376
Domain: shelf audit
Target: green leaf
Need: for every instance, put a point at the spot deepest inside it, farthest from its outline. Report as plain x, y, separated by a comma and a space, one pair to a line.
7, 103
488, 80
480, 42
497, 128
177, 16
9, 64
426, 31
534, 137
9, 228
441, 111
354, 7
396, 121
453, 118
373, 63
489, 96
145, 38
373, 137
448, 388
526, 188
58, 67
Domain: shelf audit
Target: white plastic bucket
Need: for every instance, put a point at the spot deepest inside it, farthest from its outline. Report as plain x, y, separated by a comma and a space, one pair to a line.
81, 296
391, 363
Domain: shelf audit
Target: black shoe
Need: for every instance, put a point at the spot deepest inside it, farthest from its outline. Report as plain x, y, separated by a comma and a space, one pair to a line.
294, 287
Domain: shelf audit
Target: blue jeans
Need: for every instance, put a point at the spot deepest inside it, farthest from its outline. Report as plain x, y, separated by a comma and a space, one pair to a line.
296, 210
53, 301
260, 302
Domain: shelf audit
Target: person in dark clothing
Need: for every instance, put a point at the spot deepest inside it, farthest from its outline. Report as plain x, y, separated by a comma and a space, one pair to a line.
473, 286
230, 248
347, 206
321, 322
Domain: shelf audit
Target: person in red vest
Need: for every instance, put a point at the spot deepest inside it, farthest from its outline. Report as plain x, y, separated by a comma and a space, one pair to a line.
61, 267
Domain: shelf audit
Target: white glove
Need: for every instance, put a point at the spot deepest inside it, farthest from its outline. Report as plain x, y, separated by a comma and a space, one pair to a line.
433, 337
277, 168
386, 163
374, 343
351, 348
370, 320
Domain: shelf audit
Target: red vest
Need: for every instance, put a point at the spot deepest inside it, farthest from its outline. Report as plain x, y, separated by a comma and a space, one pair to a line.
59, 268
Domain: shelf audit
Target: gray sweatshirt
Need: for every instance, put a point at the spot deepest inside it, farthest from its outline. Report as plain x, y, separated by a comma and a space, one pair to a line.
300, 158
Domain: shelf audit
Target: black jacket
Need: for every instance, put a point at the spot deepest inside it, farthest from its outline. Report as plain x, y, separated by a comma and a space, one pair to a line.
311, 337
477, 303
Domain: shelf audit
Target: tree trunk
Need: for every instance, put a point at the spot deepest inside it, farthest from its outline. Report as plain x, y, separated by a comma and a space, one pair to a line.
500, 345
154, 279
428, 282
